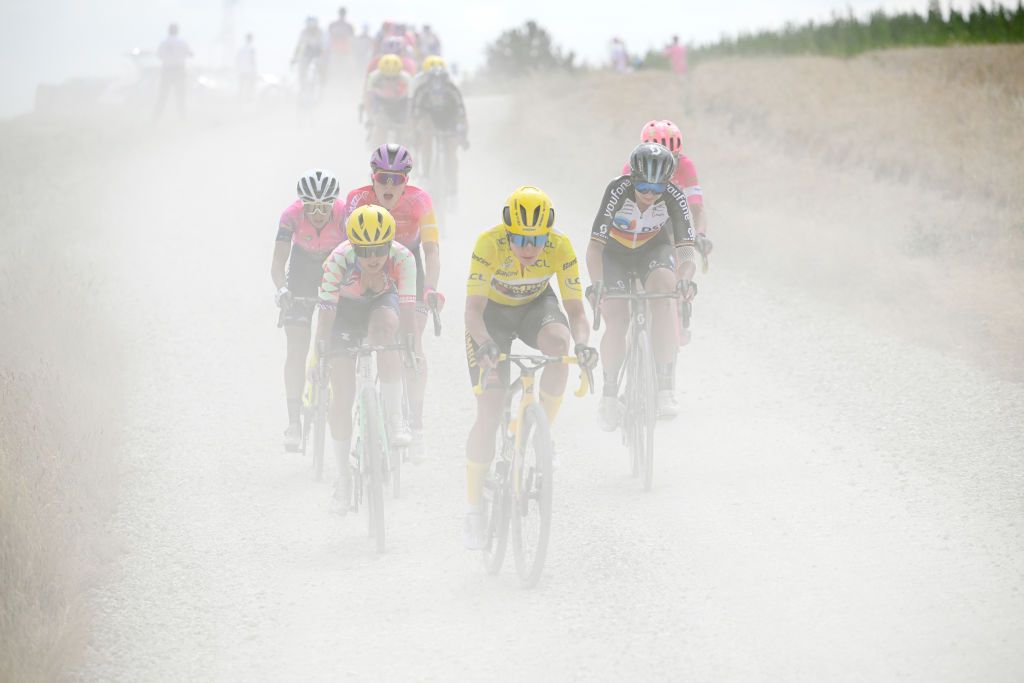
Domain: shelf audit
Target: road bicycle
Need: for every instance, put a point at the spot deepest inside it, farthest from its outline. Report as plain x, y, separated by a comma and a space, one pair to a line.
373, 462
518, 487
637, 376
310, 397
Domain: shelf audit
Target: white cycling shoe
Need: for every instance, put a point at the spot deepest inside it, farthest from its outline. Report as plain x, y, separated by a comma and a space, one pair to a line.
341, 497
293, 437
668, 407
399, 434
609, 412
474, 531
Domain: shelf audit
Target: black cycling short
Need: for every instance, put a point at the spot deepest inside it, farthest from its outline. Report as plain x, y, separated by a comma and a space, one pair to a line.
302, 279
353, 318
505, 323
619, 263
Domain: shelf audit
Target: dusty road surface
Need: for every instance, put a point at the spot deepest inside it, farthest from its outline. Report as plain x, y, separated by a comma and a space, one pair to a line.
835, 503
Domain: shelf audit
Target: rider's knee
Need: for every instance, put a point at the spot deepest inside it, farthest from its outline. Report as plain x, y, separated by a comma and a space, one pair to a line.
660, 280
553, 340
383, 325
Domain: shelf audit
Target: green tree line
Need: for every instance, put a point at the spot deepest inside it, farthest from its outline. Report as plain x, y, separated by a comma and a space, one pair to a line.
845, 36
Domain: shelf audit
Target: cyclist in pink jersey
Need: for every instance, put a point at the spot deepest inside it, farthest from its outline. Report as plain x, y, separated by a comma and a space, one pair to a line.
416, 229
309, 229
368, 290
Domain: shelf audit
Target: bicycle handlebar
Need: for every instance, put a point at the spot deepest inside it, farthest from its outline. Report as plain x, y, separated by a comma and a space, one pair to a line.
432, 307
600, 295
530, 363
291, 301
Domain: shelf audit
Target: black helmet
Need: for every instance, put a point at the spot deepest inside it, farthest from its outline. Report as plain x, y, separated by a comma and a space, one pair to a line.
652, 163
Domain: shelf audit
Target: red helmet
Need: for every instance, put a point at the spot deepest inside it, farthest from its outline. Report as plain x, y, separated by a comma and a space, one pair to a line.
665, 133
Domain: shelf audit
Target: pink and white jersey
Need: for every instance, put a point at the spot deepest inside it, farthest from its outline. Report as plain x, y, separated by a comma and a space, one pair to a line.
414, 214
343, 277
305, 236
684, 178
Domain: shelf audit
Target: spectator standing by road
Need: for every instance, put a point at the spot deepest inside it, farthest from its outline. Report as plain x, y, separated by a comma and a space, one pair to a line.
173, 54
619, 56
676, 54
340, 36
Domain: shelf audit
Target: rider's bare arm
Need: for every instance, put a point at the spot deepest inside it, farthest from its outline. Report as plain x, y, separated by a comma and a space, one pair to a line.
475, 324
595, 262
432, 263
277, 265
579, 326
407, 319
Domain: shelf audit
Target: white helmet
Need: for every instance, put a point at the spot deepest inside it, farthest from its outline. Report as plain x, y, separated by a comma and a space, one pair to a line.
318, 185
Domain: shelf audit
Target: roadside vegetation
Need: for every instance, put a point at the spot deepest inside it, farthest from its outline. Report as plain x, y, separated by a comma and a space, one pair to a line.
59, 408
848, 35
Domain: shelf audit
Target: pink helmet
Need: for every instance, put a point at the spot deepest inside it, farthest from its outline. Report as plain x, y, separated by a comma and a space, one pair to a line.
391, 157
665, 133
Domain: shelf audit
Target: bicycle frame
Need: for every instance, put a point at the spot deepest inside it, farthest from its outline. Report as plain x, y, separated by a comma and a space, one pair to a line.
637, 427
508, 501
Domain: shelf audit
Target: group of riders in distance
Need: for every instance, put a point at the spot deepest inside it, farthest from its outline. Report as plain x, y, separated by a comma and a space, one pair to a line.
408, 92
366, 265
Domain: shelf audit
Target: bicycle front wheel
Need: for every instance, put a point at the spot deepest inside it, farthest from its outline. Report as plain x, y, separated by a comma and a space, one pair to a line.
498, 505
373, 465
532, 487
648, 416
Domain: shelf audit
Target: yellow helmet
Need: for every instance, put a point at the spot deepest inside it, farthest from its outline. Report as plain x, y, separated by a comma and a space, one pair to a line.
433, 61
528, 212
370, 225
390, 65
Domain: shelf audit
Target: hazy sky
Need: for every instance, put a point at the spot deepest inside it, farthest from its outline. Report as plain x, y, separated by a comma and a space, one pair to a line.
51, 40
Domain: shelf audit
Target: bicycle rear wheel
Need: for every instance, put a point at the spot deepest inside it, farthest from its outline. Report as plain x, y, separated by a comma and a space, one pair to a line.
373, 464
648, 415
532, 487
320, 395
632, 427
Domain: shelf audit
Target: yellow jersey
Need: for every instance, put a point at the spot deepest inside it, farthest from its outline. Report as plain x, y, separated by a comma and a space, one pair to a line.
496, 273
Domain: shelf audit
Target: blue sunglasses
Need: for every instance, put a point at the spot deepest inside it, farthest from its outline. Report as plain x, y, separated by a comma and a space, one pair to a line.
656, 188
527, 241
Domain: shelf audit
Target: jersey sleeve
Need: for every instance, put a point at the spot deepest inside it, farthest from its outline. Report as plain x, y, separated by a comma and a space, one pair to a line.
404, 273
610, 201
679, 212
568, 272
428, 220
482, 266
686, 178
334, 274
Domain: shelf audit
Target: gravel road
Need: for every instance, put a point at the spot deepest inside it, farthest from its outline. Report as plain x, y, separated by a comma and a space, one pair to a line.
834, 504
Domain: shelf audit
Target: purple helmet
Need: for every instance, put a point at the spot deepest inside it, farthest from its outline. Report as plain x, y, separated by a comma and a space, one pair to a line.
391, 157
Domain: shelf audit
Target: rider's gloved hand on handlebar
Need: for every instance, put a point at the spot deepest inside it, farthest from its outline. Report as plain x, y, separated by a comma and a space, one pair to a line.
687, 288
487, 355
586, 356
283, 297
703, 244
438, 298
591, 293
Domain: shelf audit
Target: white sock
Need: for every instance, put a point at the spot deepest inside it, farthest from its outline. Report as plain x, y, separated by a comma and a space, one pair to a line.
342, 448
392, 399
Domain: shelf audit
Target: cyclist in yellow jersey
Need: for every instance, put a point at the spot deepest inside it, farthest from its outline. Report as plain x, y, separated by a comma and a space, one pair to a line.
508, 296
